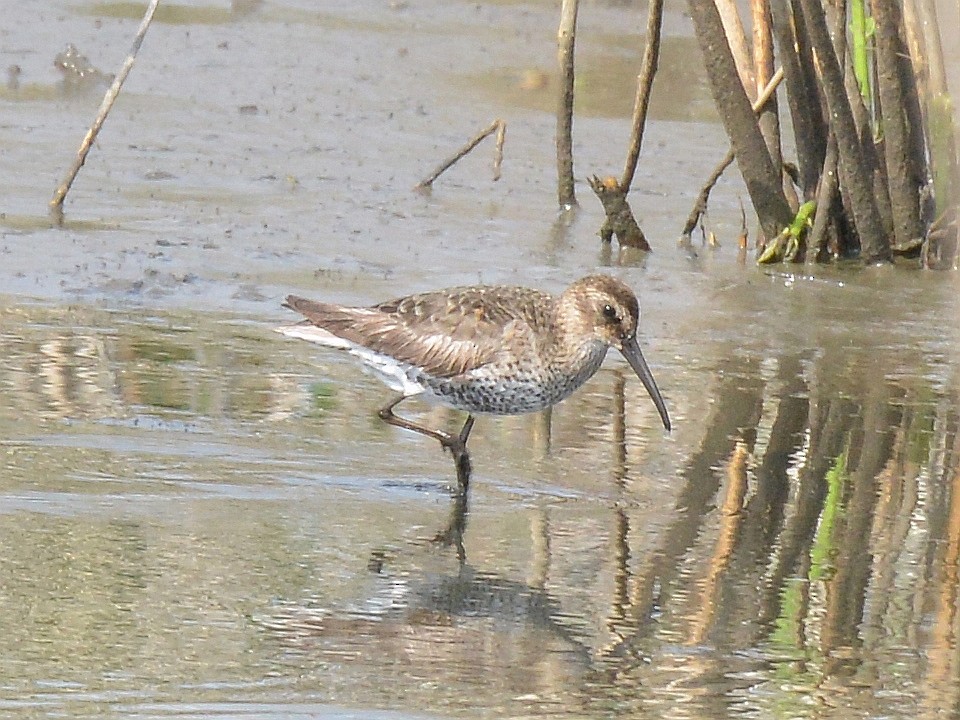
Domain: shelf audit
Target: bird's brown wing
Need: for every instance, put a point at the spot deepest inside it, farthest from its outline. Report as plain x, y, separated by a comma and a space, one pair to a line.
446, 333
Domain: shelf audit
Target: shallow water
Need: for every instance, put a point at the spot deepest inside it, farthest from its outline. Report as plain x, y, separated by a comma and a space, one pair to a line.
201, 519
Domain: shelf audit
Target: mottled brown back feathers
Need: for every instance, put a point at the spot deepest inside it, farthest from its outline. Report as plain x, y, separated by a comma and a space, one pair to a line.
446, 333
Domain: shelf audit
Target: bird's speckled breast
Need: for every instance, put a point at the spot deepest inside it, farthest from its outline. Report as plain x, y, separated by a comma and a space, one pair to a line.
519, 390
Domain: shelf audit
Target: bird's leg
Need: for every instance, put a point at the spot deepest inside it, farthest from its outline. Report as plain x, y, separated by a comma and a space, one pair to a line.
465, 430
387, 415
461, 458
456, 444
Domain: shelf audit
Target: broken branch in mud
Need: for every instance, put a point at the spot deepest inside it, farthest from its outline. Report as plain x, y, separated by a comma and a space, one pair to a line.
56, 203
498, 126
619, 219
700, 204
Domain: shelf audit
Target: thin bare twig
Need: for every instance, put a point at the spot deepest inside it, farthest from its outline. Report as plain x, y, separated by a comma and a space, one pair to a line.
498, 126
56, 203
612, 193
768, 91
648, 69
566, 37
700, 204
498, 150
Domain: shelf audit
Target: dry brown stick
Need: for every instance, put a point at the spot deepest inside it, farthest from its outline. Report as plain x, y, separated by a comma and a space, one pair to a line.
498, 126
737, 40
916, 43
56, 203
566, 36
827, 194
700, 204
918, 148
942, 141
904, 178
763, 61
648, 69
498, 150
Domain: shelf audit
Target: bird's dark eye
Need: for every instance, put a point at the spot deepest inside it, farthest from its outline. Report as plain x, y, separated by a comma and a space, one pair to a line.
610, 313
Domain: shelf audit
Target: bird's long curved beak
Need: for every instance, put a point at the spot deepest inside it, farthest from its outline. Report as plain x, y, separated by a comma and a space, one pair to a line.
631, 351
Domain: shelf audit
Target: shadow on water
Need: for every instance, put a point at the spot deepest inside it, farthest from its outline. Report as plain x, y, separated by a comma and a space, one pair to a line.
460, 625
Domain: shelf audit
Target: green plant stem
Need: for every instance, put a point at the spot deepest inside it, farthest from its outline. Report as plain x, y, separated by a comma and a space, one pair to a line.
858, 32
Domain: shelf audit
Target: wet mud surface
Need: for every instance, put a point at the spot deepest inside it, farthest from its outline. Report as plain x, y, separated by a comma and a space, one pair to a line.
203, 519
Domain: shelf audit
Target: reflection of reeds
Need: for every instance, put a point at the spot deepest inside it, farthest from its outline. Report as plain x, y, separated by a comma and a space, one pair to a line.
848, 535
940, 686
731, 518
848, 585
57, 374
58, 368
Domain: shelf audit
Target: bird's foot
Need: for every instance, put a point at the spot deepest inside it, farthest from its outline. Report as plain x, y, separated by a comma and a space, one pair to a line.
462, 463
457, 447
